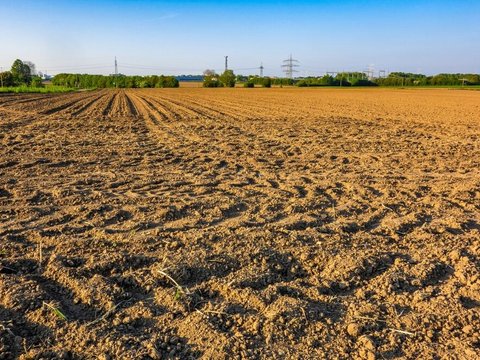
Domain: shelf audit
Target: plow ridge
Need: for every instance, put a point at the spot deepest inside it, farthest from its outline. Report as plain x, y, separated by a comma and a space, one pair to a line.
153, 111
83, 108
213, 110
187, 108
177, 110
157, 119
66, 104
15, 100
109, 104
131, 106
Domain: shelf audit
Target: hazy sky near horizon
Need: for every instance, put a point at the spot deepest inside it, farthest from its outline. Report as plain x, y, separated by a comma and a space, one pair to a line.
154, 37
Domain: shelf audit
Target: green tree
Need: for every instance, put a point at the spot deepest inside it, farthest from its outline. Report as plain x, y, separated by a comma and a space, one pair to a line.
6, 79
21, 72
228, 78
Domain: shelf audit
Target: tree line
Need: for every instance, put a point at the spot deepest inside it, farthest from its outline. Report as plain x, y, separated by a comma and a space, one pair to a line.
23, 73
229, 79
393, 79
409, 79
86, 81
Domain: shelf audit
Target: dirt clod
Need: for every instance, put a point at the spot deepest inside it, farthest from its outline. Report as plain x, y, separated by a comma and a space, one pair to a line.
354, 329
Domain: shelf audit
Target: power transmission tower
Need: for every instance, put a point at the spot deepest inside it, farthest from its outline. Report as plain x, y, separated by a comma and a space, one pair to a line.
226, 63
289, 65
261, 70
370, 72
116, 73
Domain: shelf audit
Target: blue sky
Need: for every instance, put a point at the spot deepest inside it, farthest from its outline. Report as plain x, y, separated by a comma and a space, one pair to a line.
153, 37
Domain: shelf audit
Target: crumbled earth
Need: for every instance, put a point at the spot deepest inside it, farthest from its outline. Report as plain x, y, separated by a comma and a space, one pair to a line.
240, 224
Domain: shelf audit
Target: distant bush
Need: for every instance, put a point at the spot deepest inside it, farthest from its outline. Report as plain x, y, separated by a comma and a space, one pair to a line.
260, 81
36, 82
167, 82
266, 82
362, 82
326, 80
228, 78
249, 84
211, 81
283, 81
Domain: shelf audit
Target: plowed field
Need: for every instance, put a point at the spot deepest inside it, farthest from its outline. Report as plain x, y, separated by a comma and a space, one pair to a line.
240, 224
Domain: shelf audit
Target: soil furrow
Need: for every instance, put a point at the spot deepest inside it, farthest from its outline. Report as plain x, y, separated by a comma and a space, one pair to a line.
66, 104
109, 105
89, 105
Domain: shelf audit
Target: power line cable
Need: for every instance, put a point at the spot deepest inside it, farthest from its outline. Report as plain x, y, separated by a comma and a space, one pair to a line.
75, 67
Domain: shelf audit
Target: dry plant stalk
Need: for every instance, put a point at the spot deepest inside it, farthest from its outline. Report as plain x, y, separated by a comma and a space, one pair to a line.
180, 290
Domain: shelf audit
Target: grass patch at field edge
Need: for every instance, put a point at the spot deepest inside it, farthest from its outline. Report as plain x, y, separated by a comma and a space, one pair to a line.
43, 90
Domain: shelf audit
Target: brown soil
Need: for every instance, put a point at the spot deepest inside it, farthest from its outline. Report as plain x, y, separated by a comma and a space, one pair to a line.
240, 223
